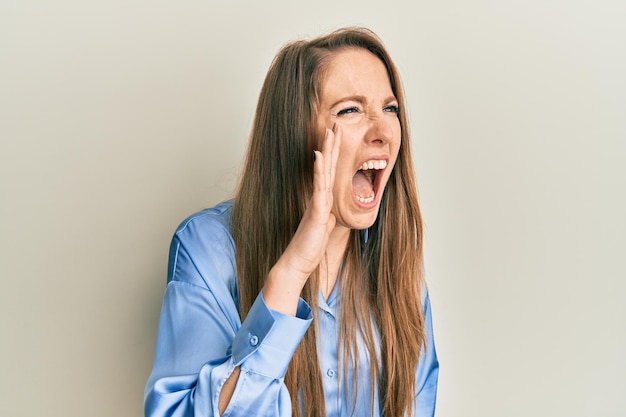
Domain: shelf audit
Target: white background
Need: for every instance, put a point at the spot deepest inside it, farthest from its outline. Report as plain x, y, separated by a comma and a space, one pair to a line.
120, 118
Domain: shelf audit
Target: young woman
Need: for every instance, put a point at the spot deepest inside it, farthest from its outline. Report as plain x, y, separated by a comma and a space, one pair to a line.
305, 295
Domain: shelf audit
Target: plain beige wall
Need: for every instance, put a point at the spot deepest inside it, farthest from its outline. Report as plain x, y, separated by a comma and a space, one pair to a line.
120, 118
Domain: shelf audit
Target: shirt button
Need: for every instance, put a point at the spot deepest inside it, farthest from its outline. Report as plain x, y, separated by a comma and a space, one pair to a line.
254, 341
330, 373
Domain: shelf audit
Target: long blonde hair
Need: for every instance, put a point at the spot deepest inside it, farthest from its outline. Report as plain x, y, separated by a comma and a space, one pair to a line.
383, 272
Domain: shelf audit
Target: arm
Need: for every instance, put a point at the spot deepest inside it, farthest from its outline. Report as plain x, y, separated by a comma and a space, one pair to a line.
198, 348
196, 371
228, 389
287, 278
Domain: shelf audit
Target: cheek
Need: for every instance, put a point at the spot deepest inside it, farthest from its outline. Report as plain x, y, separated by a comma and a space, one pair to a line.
397, 153
397, 134
397, 145
394, 145
397, 130
343, 175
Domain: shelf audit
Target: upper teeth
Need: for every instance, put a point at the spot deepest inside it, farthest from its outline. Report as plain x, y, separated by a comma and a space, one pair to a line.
374, 164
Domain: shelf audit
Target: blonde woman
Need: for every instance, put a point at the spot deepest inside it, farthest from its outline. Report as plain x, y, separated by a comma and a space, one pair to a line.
305, 295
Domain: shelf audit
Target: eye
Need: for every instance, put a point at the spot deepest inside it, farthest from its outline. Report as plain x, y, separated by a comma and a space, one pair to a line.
392, 109
348, 110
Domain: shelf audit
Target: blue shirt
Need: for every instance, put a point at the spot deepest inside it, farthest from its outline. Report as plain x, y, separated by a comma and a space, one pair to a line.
201, 338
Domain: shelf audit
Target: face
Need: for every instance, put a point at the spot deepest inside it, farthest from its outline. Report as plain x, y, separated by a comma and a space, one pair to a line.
357, 96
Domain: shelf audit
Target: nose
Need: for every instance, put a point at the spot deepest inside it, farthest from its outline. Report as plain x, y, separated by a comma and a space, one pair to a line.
380, 130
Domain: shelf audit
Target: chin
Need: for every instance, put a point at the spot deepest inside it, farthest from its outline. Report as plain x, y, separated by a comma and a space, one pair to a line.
359, 221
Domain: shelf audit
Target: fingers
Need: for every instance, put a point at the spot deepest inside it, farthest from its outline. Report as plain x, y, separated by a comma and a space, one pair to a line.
305, 251
335, 152
324, 168
325, 161
318, 170
329, 139
330, 150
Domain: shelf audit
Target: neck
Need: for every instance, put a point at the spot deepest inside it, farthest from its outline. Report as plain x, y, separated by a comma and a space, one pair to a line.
335, 251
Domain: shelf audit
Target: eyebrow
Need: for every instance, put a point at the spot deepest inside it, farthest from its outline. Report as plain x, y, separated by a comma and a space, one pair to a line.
360, 99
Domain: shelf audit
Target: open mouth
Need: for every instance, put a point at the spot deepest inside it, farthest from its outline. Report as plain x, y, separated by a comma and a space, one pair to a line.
366, 180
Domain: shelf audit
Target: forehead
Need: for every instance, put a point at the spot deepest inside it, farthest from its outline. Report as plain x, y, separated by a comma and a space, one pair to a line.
355, 71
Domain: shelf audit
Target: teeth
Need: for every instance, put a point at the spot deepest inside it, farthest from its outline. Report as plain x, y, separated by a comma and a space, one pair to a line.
374, 164
365, 200
367, 168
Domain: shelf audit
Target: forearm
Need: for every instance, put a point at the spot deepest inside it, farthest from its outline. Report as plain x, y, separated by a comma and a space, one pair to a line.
204, 382
228, 389
283, 287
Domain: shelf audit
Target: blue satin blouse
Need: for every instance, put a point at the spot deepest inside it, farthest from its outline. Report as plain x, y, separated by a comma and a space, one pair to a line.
201, 338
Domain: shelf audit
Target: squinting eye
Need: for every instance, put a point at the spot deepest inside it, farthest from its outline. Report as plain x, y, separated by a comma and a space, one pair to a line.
392, 109
349, 110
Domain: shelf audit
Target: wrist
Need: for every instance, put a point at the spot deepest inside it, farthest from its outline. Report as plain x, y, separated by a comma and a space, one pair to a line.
282, 289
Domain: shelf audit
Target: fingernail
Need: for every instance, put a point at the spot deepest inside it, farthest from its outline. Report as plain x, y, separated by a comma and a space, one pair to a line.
313, 156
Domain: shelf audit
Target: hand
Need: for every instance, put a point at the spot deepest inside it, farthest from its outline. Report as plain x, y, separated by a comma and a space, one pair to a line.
308, 245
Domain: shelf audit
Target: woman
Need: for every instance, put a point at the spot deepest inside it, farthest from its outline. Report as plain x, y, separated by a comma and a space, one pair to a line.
325, 228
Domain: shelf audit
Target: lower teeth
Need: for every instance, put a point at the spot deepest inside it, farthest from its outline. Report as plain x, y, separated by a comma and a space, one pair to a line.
365, 200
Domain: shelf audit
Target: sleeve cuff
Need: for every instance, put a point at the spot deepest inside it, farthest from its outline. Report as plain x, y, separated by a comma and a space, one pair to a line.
268, 339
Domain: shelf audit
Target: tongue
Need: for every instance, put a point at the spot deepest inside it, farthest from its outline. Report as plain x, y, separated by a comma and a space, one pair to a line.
362, 185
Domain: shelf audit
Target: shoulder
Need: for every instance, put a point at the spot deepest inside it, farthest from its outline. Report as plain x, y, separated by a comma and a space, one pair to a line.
202, 251
211, 225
